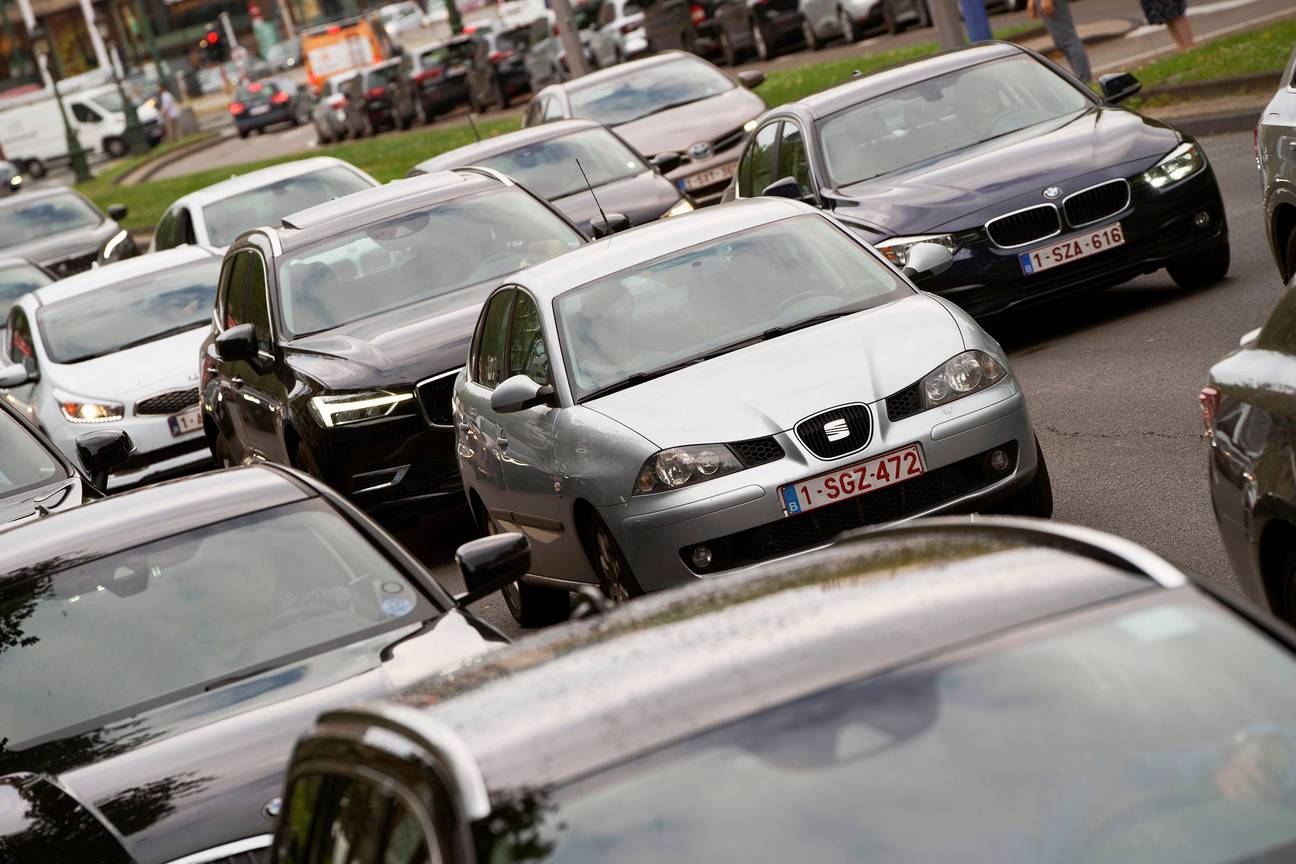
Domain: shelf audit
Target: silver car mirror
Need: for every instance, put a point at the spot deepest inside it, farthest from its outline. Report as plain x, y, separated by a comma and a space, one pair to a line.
1249, 337
13, 375
520, 393
927, 260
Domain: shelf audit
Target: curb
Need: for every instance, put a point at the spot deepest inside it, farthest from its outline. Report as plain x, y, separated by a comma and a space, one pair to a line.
143, 172
1218, 86
1219, 123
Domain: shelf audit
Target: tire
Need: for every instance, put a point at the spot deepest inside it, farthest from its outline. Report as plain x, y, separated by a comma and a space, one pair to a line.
243, 133
808, 33
1036, 497
532, 605
320, 137
1280, 582
764, 50
36, 168
616, 579
1200, 270
1291, 253
302, 117
851, 31
889, 22
304, 460
728, 57
115, 147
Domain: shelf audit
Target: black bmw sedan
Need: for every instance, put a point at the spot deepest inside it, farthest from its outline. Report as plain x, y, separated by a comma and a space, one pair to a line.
160, 651
1036, 185
337, 337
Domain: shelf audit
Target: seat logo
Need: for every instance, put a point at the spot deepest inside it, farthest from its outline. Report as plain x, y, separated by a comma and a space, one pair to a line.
837, 429
1052, 192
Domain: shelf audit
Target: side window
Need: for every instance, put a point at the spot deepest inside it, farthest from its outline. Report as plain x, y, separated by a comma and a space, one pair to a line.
330, 819
351, 816
403, 841
552, 109
533, 112
234, 296
299, 822
184, 232
84, 113
527, 352
762, 153
21, 349
792, 161
488, 347
164, 236
258, 312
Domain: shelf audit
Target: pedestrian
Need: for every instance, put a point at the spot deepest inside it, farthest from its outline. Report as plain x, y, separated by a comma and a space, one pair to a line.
170, 114
1056, 15
1171, 13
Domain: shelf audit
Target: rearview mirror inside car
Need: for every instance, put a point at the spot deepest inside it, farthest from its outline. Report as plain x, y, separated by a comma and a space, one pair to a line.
520, 393
666, 162
117, 212
14, 375
1118, 86
927, 260
490, 563
615, 223
751, 78
237, 343
103, 450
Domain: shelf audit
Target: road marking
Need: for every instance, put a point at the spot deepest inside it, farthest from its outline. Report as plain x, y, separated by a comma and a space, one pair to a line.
1198, 38
1205, 9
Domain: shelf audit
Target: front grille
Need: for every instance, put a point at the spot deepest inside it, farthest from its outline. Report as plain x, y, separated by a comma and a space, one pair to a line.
905, 403
757, 451
436, 398
77, 264
836, 432
171, 402
1097, 203
815, 527
1025, 226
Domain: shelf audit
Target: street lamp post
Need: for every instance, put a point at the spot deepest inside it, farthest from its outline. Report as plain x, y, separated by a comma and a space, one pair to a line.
76, 156
134, 134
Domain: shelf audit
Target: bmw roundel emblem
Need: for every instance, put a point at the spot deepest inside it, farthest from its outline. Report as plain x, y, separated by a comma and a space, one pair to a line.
1052, 192
699, 151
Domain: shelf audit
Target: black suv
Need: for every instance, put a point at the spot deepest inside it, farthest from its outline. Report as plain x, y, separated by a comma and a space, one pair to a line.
337, 337
497, 71
437, 76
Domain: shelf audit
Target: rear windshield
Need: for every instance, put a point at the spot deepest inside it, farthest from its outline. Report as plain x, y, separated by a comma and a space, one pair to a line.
549, 169
457, 52
15, 281
382, 76
27, 220
219, 601
255, 91
24, 464
268, 204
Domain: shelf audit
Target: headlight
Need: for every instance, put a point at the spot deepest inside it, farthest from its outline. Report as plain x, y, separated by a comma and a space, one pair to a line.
750, 125
111, 246
349, 408
15, 181
1183, 162
78, 411
960, 376
684, 206
897, 248
684, 466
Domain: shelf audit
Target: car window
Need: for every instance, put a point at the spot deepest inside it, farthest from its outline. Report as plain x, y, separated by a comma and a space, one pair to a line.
184, 227
648, 90
84, 113
348, 834
488, 346
164, 236
553, 109
549, 168
527, 352
24, 462
225, 599
18, 337
792, 160
341, 819
756, 170
234, 282
17, 280
34, 218
298, 822
267, 205
258, 312
535, 111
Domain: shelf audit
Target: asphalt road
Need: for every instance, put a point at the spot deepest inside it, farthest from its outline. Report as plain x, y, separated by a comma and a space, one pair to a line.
1111, 380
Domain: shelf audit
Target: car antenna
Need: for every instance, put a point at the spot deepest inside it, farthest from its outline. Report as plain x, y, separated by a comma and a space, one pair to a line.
590, 186
476, 134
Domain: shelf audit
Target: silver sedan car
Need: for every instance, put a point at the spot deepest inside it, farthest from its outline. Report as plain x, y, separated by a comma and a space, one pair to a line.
712, 391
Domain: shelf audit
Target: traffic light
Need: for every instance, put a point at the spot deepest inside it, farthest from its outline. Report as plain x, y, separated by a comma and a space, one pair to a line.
213, 45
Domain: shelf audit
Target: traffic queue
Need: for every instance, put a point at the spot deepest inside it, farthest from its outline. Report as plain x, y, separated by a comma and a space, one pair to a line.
732, 447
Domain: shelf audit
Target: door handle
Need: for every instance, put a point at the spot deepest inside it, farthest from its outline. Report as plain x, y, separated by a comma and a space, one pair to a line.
502, 440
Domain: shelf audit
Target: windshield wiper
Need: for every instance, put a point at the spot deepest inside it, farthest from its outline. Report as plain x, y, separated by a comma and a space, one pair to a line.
144, 340
668, 106
639, 378
239, 676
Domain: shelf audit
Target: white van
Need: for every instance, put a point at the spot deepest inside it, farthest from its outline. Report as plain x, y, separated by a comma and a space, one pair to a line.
32, 134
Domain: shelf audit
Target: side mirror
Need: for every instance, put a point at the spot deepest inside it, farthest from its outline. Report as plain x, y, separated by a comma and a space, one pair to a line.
490, 563
926, 260
14, 375
784, 187
751, 78
1118, 86
614, 224
520, 393
102, 451
117, 212
666, 162
237, 343
1246, 339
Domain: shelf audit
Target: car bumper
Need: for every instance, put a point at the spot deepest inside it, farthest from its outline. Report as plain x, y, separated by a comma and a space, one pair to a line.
1233, 498
741, 517
273, 117
446, 94
1158, 226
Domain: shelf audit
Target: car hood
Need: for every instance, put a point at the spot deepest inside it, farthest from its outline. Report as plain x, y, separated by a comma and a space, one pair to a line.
770, 386
198, 773
66, 244
966, 188
642, 198
675, 130
136, 373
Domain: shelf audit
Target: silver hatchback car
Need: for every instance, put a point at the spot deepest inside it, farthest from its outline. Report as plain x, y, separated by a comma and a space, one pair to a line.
708, 392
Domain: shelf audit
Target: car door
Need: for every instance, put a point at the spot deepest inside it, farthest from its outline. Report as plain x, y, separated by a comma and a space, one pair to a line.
478, 428
231, 311
262, 394
756, 168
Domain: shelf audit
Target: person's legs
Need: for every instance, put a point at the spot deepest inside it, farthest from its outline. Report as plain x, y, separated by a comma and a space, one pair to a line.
1062, 28
1181, 31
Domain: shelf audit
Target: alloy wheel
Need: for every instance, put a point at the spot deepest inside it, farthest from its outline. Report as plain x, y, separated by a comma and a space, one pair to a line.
609, 561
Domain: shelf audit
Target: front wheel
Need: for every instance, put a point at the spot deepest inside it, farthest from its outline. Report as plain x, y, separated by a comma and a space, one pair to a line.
36, 168
1201, 269
851, 31
614, 574
114, 147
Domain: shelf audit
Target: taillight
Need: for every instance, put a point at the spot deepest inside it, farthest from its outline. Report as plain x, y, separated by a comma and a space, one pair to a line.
375, 92
254, 87
1209, 399
697, 13
236, 108
337, 102
497, 56
555, 30
280, 98
630, 28
429, 74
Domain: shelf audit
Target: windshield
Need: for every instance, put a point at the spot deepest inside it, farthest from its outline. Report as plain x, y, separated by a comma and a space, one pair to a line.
416, 256
35, 219
15, 281
943, 114
256, 91
721, 293
133, 312
110, 101
549, 169
648, 90
1158, 731
267, 205
24, 464
225, 599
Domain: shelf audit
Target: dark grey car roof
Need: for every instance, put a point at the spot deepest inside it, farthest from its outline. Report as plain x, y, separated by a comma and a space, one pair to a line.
29, 195
470, 153
592, 693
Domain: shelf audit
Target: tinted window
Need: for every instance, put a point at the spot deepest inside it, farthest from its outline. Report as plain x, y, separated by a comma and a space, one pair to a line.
350, 835
719, 293
258, 314
268, 204
131, 312
19, 338
489, 367
35, 218
552, 109
943, 114
416, 256
297, 824
84, 113
549, 169
255, 91
15, 281
24, 463
1072, 742
235, 596
382, 76
234, 278
792, 161
516, 41
165, 236
527, 353
757, 162
648, 90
